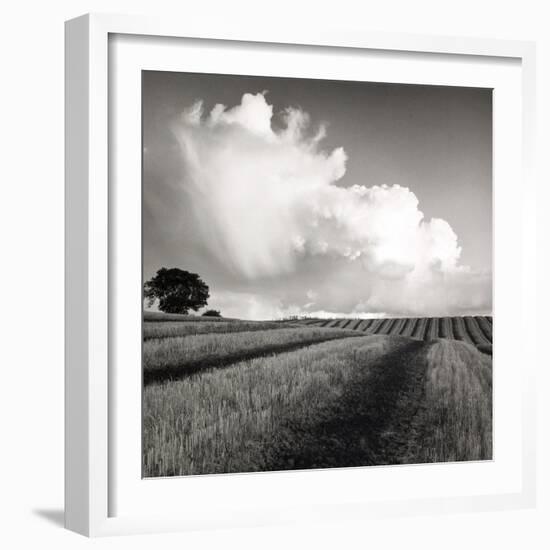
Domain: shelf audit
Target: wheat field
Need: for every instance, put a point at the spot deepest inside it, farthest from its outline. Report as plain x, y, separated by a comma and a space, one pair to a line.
295, 395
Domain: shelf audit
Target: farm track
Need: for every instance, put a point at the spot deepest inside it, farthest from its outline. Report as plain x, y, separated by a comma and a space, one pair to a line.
394, 404
376, 421
177, 372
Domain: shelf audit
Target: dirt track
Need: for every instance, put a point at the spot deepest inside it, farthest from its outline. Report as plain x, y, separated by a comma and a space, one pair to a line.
375, 422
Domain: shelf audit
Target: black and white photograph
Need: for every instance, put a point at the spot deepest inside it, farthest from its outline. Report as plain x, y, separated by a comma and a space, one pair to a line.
317, 274
296, 259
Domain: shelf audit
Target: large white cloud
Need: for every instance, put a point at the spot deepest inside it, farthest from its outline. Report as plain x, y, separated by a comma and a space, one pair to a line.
266, 201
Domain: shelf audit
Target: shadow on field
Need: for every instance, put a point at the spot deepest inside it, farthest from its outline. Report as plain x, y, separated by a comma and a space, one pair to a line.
163, 374
371, 423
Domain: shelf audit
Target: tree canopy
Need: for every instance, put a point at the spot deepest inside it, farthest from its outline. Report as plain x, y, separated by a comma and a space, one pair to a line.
176, 290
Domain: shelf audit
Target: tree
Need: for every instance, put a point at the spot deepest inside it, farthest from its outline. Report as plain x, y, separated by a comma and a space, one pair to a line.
211, 313
177, 290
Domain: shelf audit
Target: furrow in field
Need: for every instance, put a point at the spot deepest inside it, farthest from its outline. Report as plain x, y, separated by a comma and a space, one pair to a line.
408, 327
364, 325
485, 327
432, 331
446, 328
420, 328
398, 326
386, 326
374, 326
459, 330
176, 357
475, 332
345, 403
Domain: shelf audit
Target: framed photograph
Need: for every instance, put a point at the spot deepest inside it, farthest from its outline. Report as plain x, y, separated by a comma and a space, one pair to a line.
297, 275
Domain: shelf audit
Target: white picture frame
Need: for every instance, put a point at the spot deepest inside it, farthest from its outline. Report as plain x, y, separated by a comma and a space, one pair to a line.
91, 395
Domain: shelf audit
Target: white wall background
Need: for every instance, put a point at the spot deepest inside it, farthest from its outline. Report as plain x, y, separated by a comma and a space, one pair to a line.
31, 269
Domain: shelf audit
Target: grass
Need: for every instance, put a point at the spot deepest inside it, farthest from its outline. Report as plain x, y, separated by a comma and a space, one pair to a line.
456, 416
238, 419
351, 402
314, 393
171, 329
160, 317
173, 357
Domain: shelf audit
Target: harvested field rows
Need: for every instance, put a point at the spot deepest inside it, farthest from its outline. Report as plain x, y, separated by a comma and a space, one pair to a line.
226, 395
472, 330
171, 329
457, 406
353, 402
255, 415
179, 356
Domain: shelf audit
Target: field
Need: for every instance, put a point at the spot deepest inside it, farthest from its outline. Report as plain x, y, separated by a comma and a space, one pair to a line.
477, 331
226, 396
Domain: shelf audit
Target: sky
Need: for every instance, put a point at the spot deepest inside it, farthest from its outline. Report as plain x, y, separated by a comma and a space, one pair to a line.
320, 198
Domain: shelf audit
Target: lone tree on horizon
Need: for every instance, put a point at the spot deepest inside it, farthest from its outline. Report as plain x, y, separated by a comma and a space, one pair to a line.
177, 290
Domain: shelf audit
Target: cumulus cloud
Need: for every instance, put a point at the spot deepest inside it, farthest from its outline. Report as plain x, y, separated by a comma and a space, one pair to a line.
269, 203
